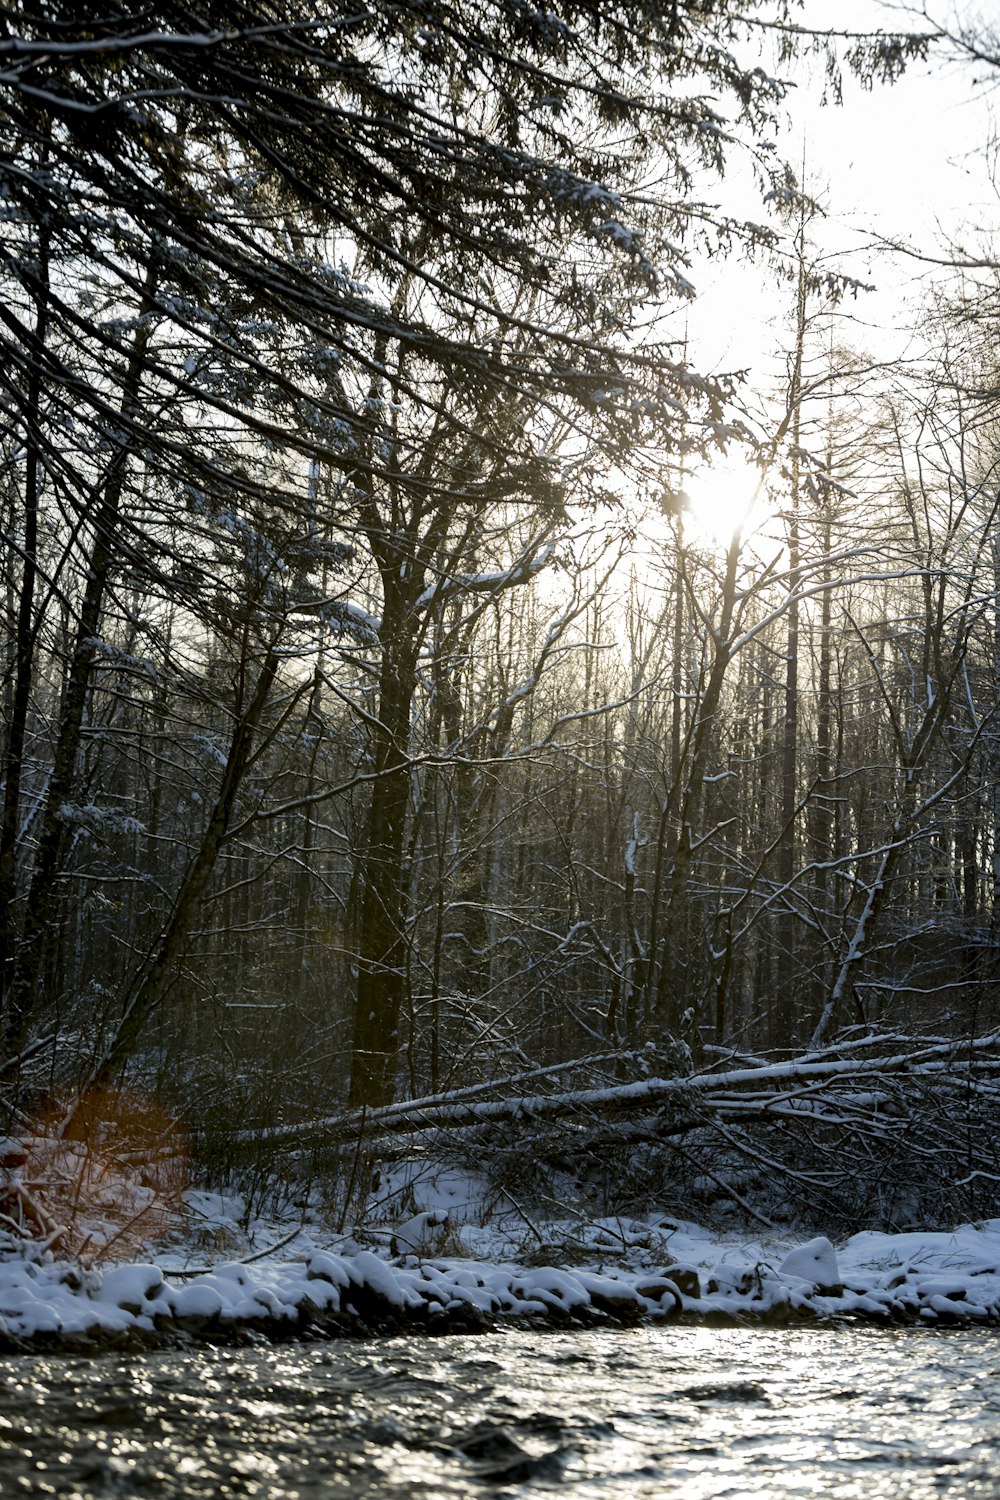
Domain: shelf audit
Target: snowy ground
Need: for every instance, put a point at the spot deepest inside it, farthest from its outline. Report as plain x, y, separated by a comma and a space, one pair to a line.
441, 1269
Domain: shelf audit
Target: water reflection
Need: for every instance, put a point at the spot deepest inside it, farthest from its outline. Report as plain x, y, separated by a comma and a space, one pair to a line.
693, 1412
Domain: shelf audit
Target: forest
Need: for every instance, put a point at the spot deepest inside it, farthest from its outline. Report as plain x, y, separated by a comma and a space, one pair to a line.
391, 761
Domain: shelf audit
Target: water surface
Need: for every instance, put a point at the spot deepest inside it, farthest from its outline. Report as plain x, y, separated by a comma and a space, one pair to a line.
672, 1411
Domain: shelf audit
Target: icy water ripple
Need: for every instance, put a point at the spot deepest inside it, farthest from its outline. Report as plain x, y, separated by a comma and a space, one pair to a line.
693, 1412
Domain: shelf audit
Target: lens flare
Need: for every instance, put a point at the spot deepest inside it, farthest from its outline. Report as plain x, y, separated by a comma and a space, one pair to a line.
98, 1177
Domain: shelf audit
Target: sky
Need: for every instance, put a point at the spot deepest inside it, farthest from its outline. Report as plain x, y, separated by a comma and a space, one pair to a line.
908, 162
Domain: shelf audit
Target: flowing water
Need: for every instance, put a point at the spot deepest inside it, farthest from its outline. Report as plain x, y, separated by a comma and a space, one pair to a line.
675, 1411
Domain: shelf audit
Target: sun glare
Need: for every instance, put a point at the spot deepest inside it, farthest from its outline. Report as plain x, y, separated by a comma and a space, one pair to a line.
723, 498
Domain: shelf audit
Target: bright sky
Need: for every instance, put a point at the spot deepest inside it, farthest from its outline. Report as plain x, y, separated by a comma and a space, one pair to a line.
907, 162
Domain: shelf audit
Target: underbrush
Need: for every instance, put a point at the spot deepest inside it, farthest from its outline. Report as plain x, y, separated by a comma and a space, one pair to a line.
96, 1178
877, 1132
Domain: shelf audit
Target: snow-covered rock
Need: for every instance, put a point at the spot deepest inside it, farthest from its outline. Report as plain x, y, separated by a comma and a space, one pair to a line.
130, 1287
918, 1276
424, 1234
815, 1262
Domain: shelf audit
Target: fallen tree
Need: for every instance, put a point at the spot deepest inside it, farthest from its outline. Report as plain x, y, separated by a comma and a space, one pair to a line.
878, 1130
882, 1129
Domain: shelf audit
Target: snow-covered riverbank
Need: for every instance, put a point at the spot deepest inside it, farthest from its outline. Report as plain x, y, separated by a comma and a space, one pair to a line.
652, 1271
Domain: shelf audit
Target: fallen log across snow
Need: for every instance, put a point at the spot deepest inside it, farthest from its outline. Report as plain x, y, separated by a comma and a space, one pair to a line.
881, 1129
819, 1085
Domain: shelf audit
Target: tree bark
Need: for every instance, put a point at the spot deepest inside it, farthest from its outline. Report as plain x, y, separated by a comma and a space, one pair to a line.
382, 936
24, 658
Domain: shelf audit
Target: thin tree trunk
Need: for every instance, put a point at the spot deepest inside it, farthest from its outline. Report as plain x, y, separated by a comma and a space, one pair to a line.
24, 657
151, 985
53, 843
674, 996
783, 1006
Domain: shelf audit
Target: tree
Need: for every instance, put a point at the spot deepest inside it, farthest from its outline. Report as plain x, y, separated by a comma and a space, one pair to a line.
400, 247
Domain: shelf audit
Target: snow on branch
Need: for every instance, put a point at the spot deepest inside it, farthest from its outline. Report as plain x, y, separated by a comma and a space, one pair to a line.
821, 1086
522, 571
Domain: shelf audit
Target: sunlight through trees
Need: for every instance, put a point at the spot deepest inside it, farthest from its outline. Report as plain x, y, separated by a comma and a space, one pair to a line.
421, 673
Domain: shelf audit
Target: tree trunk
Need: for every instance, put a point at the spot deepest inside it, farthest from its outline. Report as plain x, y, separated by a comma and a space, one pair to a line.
782, 1015
674, 993
43, 899
24, 657
382, 936
154, 979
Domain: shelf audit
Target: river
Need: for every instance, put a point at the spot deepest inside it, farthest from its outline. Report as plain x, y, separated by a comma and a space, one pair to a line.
609, 1415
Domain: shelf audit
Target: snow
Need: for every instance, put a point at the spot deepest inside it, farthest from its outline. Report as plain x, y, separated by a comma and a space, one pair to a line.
368, 1270
441, 1251
198, 1300
130, 1286
421, 1234
633, 1269
815, 1263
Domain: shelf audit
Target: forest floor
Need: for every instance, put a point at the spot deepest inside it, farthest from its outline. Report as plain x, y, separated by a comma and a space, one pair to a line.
429, 1258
